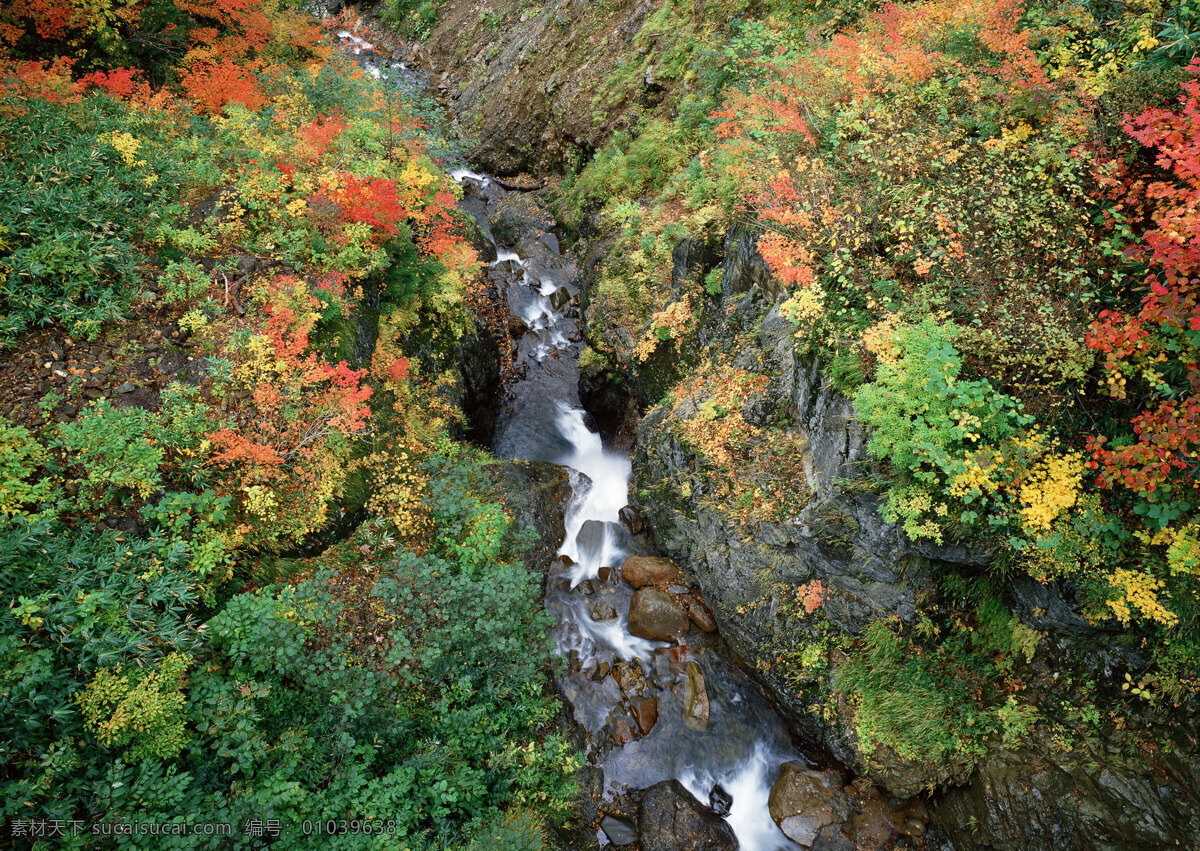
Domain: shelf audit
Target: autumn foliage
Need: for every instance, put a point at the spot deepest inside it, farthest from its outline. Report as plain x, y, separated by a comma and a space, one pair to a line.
1158, 346
284, 452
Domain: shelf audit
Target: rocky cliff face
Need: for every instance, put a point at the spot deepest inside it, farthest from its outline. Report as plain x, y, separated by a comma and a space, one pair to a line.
1038, 794
530, 84
838, 539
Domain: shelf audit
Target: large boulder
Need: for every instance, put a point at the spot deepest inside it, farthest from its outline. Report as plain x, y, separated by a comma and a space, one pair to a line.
1100, 795
655, 615
803, 801
640, 571
670, 819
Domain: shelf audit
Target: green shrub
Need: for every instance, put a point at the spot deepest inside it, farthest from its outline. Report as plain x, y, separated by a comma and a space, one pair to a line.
114, 449
21, 456
77, 205
924, 419
183, 281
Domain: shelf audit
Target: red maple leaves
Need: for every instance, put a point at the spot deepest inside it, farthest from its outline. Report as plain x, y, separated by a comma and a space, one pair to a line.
1163, 339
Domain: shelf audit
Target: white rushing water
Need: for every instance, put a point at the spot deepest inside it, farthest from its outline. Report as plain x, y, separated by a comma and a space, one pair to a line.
749, 784
602, 500
745, 741
460, 174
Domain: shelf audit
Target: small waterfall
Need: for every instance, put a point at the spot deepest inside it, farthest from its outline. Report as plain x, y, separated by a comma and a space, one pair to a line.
744, 740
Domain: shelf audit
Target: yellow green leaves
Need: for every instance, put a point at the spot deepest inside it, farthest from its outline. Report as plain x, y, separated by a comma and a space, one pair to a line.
1050, 488
21, 489
142, 708
1137, 596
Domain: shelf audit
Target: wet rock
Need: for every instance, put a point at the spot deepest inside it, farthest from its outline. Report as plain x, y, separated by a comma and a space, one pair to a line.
560, 298
515, 217
701, 616
535, 493
627, 676
676, 659
608, 574
614, 406
633, 520
550, 241
655, 615
600, 672
623, 730
586, 587
670, 819
618, 831
645, 713
720, 801
640, 571
803, 801
695, 699
873, 824
744, 267
832, 837
691, 258
1046, 606
1033, 797
603, 612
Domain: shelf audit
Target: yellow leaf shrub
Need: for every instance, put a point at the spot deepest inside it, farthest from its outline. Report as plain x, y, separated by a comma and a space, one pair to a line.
141, 709
399, 491
1138, 596
1051, 488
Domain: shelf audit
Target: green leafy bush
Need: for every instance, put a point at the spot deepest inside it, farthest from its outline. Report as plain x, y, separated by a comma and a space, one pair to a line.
925, 419
21, 456
76, 204
116, 451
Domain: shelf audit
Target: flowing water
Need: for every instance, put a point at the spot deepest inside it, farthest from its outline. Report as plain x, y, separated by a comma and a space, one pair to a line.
745, 740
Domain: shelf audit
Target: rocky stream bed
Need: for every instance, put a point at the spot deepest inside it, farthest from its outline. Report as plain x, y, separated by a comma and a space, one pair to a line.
684, 750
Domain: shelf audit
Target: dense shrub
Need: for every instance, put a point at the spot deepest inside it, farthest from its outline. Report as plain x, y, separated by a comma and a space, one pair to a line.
362, 693
81, 189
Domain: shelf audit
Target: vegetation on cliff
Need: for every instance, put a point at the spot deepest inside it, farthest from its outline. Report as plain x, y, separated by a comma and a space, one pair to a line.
979, 217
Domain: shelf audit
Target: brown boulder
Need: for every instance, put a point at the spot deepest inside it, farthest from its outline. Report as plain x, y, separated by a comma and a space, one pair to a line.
695, 699
803, 801
670, 819
640, 571
655, 615
701, 616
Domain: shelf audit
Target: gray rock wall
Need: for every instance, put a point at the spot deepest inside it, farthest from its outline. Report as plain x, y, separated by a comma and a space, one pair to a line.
1037, 794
